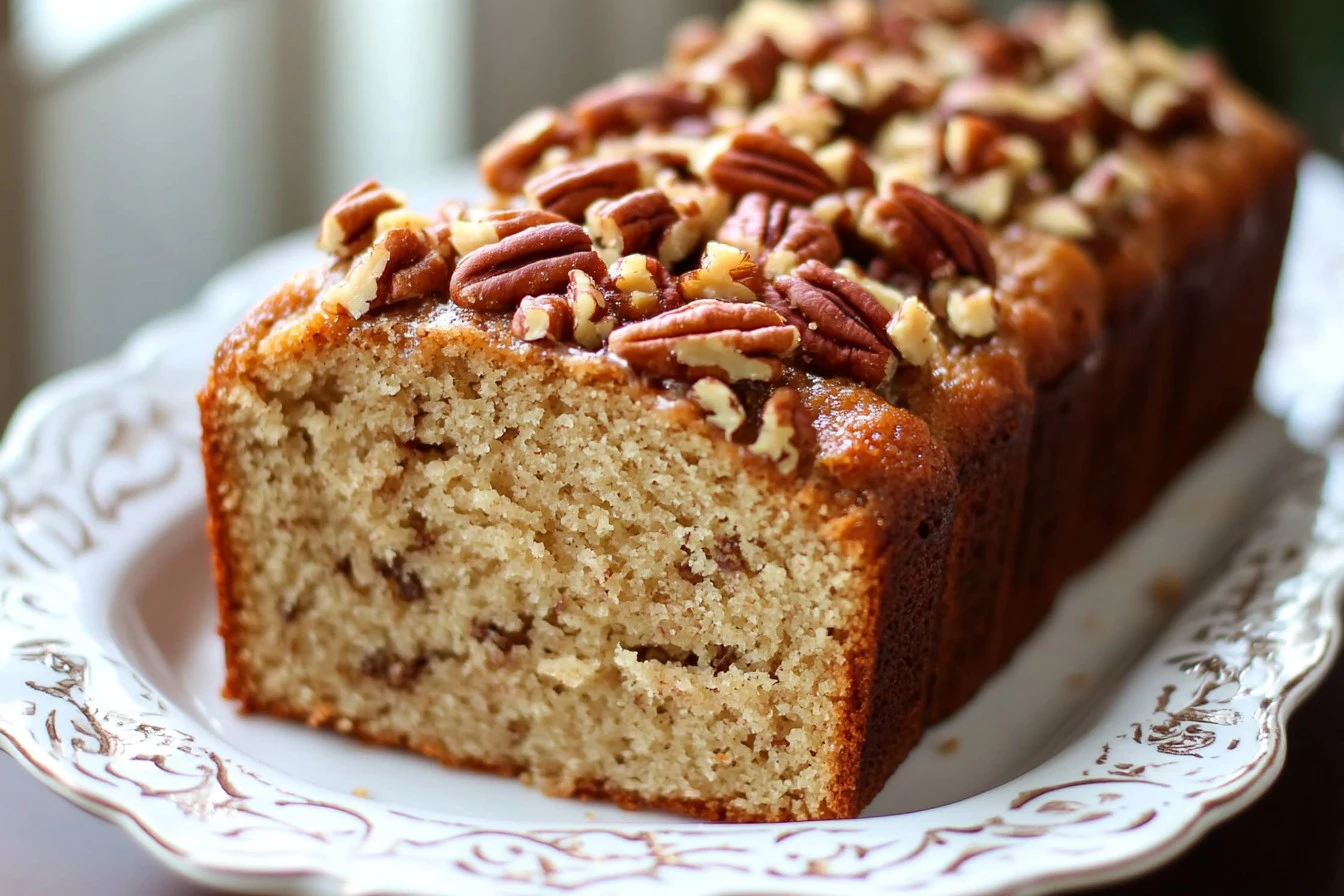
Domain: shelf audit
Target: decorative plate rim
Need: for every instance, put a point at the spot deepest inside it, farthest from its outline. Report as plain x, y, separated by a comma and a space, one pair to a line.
104, 449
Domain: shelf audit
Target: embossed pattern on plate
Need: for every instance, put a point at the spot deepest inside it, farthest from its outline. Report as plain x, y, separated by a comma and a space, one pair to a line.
1061, 774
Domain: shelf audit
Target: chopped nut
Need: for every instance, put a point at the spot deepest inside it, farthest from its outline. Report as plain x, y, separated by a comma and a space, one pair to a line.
1113, 180
358, 290
643, 288
807, 122
913, 332
402, 264
1059, 216
468, 236
347, 226
543, 317
726, 273
789, 24
972, 311
986, 198
844, 160
786, 431
971, 145
588, 303
400, 218
720, 404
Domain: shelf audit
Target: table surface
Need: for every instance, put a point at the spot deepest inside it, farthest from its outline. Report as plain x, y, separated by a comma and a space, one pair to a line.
47, 846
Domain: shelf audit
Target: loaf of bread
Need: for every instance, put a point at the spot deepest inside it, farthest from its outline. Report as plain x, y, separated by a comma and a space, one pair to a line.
758, 418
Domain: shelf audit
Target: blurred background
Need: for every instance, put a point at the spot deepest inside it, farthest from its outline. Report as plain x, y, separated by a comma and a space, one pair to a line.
145, 144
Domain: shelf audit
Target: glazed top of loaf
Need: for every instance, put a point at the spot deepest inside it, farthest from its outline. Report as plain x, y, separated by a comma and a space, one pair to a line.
850, 188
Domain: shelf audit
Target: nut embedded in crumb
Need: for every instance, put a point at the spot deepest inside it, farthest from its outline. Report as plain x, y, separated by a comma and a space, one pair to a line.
720, 404
785, 430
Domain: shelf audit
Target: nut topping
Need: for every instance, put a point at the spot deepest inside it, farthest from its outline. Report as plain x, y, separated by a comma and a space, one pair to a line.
568, 190
720, 403
531, 262
470, 233
593, 322
779, 236
971, 307
633, 104
347, 227
915, 230
643, 287
732, 341
542, 317
971, 145
844, 162
1044, 115
727, 273
401, 265
786, 436
506, 161
764, 162
637, 222
843, 327
913, 332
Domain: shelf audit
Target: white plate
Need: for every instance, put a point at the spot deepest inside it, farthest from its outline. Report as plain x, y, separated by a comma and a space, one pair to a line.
1119, 734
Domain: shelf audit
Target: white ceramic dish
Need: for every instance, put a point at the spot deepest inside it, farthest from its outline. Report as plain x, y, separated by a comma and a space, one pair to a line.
1127, 727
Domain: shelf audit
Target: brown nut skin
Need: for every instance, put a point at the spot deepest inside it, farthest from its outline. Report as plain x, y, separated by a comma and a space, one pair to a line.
1054, 128
543, 318
535, 261
629, 106
733, 341
506, 161
347, 225
568, 190
637, 222
763, 226
927, 237
765, 162
843, 327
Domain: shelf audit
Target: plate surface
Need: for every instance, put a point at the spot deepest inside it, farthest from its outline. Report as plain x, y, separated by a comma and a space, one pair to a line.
1131, 722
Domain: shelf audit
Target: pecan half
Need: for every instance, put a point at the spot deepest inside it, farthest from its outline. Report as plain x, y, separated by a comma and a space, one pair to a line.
347, 226
638, 222
402, 264
764, 162
843, 327
568, 190
925, 236
531, 262
779, 236
543, 317
733, 341
787, 435
631, 105
506, 161
643, 287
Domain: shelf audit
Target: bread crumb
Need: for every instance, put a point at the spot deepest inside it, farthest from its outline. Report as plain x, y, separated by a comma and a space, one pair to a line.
1167, 589
949, 747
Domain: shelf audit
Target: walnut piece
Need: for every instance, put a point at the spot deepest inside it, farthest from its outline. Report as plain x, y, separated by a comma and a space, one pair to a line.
543, 318
506, 161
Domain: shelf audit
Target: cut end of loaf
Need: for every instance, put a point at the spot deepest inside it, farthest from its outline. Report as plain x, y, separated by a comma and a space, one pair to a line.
468, 551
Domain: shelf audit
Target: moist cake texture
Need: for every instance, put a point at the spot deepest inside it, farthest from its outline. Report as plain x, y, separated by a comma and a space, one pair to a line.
758, 417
